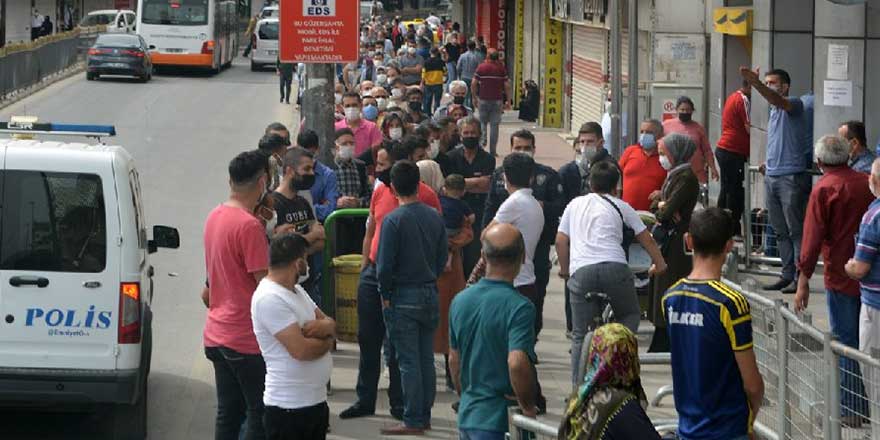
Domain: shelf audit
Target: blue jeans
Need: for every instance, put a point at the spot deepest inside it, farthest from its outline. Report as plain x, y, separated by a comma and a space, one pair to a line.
411, 321
479, 434
490, 118
431, 100
468, 102
450, 73
371, 336
787, 198
843, 315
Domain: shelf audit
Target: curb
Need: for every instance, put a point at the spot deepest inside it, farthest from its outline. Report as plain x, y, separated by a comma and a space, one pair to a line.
18, 95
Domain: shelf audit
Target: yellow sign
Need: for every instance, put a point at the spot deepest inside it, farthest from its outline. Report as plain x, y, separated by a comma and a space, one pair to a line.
733, 21
554, 85
519, 23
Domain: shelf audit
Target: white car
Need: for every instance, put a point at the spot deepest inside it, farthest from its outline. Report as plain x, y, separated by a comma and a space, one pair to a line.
269, 12
264, 44
116, 20
76, 276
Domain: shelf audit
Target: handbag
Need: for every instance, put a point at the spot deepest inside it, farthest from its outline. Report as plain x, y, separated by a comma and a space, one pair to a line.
629, 234
662, 233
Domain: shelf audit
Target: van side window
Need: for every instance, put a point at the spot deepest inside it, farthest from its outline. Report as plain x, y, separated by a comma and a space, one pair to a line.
135, 185
53, 222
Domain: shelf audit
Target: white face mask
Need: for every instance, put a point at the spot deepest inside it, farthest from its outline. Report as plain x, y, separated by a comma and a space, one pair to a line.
397, 93
381, 103
337, 97
527, 153
303, 277
382, 79
345, 152
435, 149
395, 133
352, 114
665, 163
588, 153
271, 224
776, 88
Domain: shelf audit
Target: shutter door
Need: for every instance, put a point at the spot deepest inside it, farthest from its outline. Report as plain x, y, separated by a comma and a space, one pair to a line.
589, 63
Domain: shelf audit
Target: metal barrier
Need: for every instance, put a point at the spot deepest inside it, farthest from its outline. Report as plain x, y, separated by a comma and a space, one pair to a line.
25, 64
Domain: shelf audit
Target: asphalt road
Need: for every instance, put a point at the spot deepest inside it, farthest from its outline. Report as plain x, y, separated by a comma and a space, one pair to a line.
182, 129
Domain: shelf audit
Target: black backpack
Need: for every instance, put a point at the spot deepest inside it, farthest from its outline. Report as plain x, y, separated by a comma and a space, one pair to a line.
629, 235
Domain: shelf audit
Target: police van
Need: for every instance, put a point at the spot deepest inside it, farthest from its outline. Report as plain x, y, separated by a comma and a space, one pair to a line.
75, 275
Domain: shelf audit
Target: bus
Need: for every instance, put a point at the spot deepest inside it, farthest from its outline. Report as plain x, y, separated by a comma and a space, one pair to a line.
190, 33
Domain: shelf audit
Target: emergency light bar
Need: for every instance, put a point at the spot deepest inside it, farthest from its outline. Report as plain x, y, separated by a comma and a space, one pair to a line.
28, 127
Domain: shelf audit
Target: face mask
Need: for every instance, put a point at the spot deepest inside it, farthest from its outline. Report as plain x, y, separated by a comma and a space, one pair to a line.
415, 106
371, 112
411, 51
776, 88
395, 133
684, 117
384, 176
345, 152
458, 100
527, 153
397, 93
337, 97
352, 114
304, 276
588, 153
470, 143
271, 224
454, 140
665, 163
382, 79
302, 183
378, 63
381, 103
435, 149
647, 141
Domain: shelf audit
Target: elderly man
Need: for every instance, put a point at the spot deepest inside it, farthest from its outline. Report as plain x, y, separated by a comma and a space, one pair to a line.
458, 90
640, 165
492, 341
836, 205
864, 267
860, 156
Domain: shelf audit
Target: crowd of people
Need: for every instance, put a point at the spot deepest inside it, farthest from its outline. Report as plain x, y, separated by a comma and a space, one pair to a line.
456, 253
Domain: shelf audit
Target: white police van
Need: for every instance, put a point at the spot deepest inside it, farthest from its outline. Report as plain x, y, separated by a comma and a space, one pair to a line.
75, 278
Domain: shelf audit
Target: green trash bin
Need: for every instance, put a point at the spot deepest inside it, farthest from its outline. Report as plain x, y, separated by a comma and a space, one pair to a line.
346, 275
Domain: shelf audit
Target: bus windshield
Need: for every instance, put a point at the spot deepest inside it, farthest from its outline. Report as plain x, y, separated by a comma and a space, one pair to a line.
175, 12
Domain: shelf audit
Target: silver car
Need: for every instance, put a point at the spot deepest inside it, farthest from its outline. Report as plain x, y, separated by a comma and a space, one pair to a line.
264, 44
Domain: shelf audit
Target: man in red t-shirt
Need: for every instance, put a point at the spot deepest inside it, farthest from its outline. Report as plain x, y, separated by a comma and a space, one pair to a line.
733, 151
236, 259
643, 175
371, 324
490, 90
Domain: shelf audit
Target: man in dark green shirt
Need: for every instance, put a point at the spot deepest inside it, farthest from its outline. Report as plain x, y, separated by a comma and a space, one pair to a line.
492, 341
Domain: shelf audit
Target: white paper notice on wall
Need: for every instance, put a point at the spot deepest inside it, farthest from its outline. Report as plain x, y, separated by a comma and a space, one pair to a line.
838, 61
838, 93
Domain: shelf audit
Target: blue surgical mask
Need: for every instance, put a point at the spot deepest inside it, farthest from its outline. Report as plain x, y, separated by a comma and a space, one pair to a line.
647, 141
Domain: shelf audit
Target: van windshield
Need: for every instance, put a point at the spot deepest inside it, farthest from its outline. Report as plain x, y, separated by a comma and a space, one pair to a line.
175, 12
52, 222
97, 19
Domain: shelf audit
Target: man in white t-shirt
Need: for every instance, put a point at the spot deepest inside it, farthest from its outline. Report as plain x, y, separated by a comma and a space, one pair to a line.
295, 338
589, 245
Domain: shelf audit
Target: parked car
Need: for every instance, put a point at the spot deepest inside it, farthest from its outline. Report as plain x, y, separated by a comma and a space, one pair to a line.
269, 12
119, 54
264, 44
116, 20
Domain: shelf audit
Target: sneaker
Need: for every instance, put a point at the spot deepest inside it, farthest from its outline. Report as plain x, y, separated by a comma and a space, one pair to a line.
355, 411
778, 285
790, 289
402, 430
397, 413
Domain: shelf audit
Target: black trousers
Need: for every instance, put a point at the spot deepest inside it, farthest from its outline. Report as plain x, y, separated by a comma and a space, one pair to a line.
732, 195
308, 423
284, 83
239, 379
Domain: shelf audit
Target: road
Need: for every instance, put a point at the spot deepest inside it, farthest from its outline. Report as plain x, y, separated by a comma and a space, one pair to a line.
182, 129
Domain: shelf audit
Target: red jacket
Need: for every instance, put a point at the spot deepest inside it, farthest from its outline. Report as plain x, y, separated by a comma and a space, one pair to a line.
834, 213
735, 124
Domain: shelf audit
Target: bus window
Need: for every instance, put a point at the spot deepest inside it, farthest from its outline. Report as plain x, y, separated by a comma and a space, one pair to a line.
175, 12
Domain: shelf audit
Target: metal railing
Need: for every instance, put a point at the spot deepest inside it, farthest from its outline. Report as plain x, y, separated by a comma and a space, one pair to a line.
25, 64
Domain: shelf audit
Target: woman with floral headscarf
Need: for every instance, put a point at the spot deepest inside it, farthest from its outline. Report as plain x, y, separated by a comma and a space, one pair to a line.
610, 404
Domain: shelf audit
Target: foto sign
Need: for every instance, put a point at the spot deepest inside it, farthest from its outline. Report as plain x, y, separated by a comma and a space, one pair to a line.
319, 31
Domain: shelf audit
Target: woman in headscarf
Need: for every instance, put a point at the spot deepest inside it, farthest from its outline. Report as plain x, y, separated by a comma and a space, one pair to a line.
431, 174
673, 208
610, 405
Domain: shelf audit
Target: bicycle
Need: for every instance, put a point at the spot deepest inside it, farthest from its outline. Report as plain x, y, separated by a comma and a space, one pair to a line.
603, 303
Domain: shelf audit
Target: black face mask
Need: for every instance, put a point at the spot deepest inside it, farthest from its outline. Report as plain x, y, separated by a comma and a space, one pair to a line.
415, 106
458, 100
301, 183
470, 142
685, 117
384, 176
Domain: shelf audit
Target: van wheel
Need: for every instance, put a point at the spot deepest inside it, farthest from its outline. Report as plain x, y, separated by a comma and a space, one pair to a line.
255, 67
130, 421
91, 76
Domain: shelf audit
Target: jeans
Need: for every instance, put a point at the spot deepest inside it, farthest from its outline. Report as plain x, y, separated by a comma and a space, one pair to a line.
468, 101
240, 381
371, 336
732, 195
308, 423
284, 83
451, 74
431, 100
614, 280
479, 434
787, 198
869, 340
411, 321
490, 118
843, 316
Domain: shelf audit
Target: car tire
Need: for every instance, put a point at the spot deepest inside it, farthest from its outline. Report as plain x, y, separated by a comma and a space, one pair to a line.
91, 76
255, 67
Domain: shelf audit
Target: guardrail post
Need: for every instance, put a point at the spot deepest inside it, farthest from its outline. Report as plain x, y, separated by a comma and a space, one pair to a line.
874, 400
512, 431
747, 215
832, 403
784, 412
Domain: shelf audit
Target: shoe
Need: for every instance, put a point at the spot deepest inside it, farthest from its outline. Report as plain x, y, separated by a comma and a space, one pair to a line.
355, 411
455, 407
402, 430
792, 288
281, 100
397, 413
779, 285
541, 405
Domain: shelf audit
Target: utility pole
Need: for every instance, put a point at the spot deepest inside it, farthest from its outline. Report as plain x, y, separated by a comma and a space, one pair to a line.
633, 120
318, 108
614, 16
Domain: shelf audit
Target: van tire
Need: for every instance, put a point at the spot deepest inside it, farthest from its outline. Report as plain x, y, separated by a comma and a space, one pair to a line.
91, 76
255, 67
130, 421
